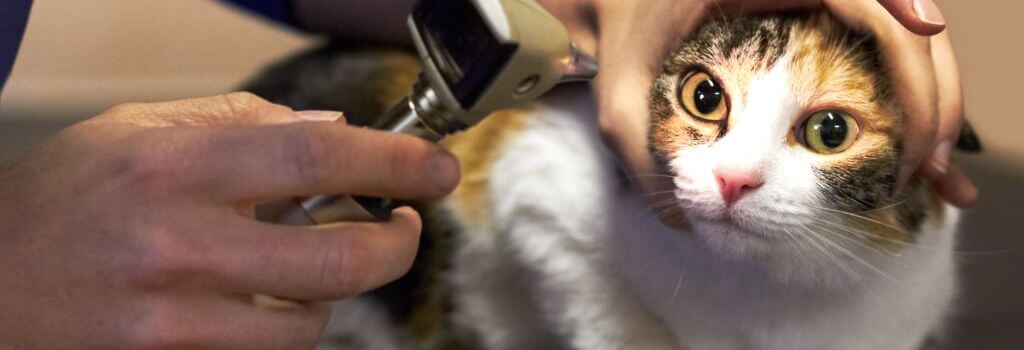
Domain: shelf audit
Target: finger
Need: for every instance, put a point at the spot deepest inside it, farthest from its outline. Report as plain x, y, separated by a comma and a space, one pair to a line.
627, 72
912, 75
955, 187
228, 109
326, 262
577, 16
305, 159
921, 17
218, 322
322, 116
950, 105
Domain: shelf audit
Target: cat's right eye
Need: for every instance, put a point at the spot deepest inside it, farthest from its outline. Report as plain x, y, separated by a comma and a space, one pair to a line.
702, 97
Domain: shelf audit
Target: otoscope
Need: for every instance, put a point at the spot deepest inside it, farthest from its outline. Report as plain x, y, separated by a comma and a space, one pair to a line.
479, 56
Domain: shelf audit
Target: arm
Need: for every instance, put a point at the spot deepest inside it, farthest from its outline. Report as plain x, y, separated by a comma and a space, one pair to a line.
378, 21
13, 16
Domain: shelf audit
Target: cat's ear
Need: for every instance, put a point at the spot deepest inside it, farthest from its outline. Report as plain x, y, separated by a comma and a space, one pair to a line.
968, 140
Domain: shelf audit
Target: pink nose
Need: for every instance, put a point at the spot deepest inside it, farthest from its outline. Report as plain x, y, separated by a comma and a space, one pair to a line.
733, 183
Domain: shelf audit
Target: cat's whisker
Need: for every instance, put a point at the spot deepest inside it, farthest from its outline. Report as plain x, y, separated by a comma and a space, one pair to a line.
872, 235
802, 246
837, 211
663, 205
637, 176
813, 241
854, 256
721, 11
893, 205
822, 251
658, 193
861, 234
852, 48
679, 284
855, 276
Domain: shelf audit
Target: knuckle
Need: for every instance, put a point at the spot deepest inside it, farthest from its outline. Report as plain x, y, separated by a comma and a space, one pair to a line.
122, 109
246, 104
245, 98
399, 160
705, 5
141, 173
411, 222
143, 169
342, 269
310, 153
160, 260
307, 334
155, 328
407, 169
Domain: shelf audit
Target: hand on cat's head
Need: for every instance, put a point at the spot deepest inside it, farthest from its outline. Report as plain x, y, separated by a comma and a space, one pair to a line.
631, 38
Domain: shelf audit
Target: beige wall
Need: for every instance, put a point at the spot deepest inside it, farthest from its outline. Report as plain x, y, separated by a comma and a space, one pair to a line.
81, 56
989, 40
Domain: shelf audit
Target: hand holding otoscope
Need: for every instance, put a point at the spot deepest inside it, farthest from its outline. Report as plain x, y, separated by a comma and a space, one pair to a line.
479, 56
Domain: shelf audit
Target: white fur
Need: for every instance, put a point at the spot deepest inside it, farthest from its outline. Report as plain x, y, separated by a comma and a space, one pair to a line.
361, 324
574, 258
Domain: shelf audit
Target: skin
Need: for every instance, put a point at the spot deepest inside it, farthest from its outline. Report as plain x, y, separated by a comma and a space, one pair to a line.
134, 229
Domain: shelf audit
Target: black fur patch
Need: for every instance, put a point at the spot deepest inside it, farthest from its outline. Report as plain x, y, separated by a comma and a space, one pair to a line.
863, 184
762, 37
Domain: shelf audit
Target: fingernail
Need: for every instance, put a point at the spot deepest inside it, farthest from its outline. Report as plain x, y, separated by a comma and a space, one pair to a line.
444, 171
940, 157
319, 116
928, 12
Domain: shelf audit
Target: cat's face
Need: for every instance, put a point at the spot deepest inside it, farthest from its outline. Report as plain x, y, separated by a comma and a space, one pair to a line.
781, 133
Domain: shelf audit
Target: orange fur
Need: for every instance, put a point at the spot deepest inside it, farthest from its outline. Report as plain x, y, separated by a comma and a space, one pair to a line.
477, 150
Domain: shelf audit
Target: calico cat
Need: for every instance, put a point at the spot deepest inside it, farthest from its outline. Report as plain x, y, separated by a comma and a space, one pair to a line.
781, 136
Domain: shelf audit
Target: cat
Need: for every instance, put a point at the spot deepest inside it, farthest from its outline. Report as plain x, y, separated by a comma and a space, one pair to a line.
784, 229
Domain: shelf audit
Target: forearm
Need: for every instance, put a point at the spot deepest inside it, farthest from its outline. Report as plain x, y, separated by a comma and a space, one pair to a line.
378, 21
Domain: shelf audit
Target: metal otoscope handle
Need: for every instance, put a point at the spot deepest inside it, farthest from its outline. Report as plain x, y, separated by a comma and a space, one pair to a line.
478, 56
419, 114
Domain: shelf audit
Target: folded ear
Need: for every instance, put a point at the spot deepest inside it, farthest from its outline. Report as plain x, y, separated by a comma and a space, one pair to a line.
968, 140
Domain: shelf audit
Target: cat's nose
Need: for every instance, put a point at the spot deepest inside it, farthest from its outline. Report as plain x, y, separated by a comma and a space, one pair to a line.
733, 183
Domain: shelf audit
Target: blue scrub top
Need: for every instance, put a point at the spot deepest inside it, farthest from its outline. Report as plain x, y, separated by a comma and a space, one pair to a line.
14, 16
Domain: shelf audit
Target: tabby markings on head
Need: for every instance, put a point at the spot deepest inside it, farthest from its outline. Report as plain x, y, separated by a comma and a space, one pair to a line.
824, 69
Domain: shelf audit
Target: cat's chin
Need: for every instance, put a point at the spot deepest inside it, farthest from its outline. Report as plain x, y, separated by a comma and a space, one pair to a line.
769, 252
730, 239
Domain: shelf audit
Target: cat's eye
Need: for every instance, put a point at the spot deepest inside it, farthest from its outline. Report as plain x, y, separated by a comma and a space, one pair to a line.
702, 97
829, 131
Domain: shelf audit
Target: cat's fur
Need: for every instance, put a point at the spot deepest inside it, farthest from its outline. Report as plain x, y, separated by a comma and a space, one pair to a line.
546, 244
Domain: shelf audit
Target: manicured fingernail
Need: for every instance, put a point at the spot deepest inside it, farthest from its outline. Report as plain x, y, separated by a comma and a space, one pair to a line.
319, 116
940, 157
928, 12
444, 171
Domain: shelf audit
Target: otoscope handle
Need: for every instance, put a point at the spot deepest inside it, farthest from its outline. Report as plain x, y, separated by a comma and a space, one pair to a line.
420, 114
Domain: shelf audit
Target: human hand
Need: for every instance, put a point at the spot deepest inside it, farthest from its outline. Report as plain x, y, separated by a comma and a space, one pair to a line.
134, 229
630, 39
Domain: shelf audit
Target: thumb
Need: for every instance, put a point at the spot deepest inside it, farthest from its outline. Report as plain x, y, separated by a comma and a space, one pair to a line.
922, 17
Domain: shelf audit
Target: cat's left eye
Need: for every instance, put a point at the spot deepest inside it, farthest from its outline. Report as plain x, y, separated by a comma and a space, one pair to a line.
702, 97
829, 131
